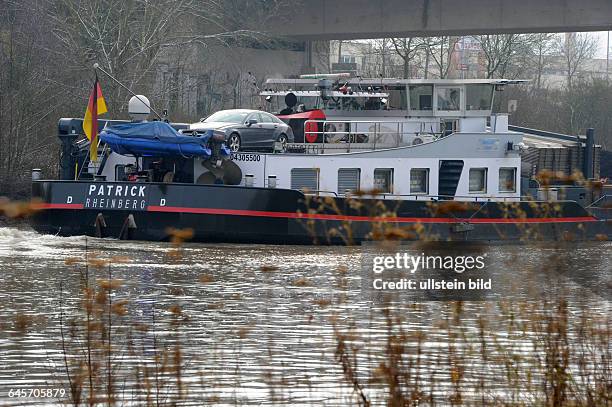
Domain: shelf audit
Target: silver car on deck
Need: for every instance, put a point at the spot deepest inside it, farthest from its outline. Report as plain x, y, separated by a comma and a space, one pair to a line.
248, 129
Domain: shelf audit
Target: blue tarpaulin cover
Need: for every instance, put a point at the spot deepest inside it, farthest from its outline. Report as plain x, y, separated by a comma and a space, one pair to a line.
155, 139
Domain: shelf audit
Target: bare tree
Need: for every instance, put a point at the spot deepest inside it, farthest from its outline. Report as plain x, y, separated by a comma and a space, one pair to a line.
48, 48
129, 38
441, 50
500, 50
381, 50
408, 49
575, 49
29, 97
380, 59
540, 56
125, 37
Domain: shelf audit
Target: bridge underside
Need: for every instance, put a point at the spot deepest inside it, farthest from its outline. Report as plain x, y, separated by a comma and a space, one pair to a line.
352, 19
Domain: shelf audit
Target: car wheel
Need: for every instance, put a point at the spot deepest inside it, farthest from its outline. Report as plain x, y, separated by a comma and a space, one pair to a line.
234, 143
282, 139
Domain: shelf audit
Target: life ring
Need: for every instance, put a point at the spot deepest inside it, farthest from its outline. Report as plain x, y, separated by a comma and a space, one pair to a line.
310, 132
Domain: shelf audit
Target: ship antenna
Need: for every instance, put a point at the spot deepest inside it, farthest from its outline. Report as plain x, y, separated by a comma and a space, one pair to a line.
97, 67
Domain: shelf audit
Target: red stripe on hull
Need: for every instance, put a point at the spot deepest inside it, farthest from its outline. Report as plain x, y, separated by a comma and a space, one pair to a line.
293, 215
58, 206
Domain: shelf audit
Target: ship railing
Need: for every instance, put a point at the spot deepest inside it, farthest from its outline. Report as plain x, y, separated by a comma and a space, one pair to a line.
601, 200
362, 135
96, 166
435, 198
417, 197
318, 192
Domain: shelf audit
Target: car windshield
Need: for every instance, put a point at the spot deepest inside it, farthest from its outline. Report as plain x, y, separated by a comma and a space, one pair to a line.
229, 116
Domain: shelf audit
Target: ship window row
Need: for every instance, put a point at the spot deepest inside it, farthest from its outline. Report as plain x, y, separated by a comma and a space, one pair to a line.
478, 180
416, 98
451, 98
349, 180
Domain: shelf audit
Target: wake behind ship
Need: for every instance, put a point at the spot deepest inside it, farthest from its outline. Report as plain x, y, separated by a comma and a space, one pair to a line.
342, 161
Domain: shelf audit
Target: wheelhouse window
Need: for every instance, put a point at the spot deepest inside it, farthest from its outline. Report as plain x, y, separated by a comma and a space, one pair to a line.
448, 98
276, 103
351, 103
305, 179
348, 180
507, 179
421, 97
383, 180
419, 181
478, 97
397, 98
478, 180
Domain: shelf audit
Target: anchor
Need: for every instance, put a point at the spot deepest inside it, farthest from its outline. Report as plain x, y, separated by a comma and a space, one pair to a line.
100, 225
127, 230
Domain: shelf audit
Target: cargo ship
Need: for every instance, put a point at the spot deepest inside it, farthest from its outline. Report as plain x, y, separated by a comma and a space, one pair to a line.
369, 160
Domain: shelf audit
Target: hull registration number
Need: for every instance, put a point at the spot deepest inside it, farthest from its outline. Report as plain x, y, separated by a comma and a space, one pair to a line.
245, 157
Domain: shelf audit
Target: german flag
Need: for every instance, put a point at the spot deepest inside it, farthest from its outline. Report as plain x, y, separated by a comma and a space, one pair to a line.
95, 107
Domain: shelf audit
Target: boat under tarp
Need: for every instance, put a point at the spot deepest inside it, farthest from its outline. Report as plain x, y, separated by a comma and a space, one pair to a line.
147, 139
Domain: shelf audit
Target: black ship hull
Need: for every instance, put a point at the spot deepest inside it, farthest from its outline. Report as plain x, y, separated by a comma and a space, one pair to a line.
218, 213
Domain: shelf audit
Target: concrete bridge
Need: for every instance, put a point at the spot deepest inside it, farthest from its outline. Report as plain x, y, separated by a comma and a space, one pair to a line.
352, 19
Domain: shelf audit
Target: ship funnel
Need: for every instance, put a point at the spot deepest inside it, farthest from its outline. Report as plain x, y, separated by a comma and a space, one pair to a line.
139, 108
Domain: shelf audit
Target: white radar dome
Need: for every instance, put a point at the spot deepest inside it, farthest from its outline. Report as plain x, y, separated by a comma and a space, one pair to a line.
138, 107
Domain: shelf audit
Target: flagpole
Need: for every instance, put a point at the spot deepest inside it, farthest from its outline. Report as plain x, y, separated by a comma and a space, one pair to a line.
97, 67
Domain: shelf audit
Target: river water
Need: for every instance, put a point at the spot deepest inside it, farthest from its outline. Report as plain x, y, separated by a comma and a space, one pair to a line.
263, 325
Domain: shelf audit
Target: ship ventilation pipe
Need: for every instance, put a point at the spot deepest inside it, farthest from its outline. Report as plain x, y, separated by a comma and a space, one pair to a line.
271, 181
589, 172
36, 174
